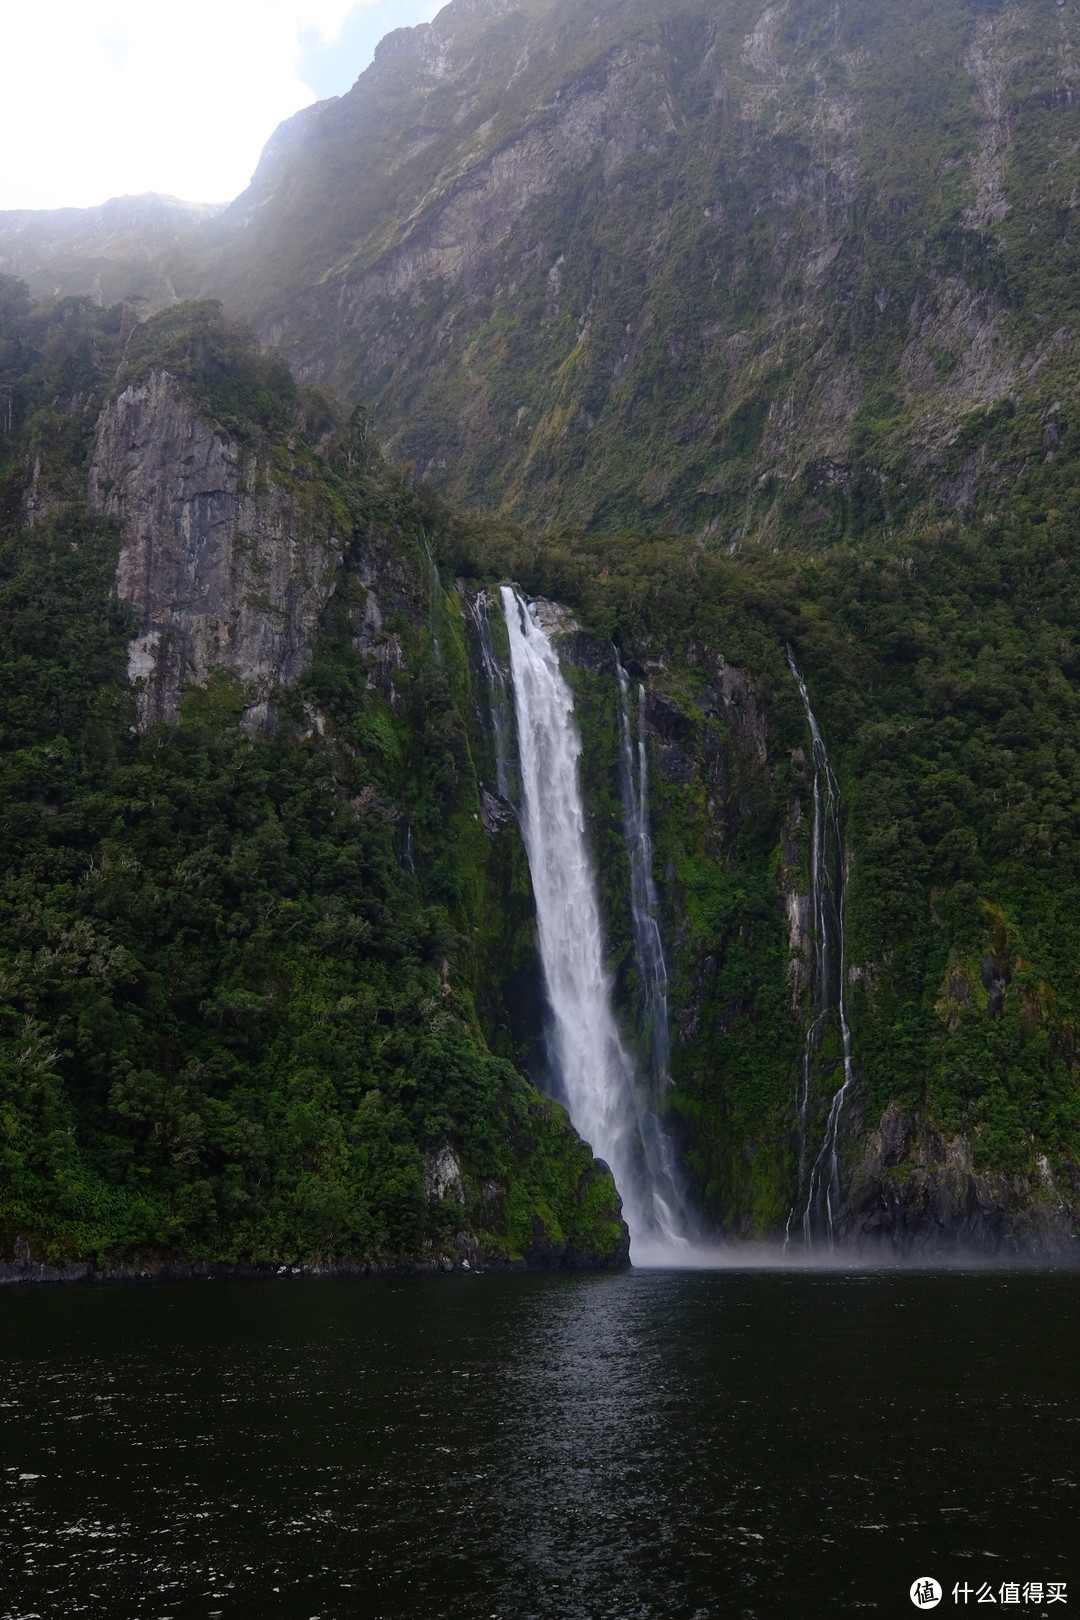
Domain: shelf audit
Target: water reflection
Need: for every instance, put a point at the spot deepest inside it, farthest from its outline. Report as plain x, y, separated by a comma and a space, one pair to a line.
650, 1445
592, 1508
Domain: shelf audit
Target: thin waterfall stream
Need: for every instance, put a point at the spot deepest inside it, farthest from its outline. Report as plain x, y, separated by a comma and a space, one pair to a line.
435, 597
601, 1088
819, 1182
644, 906
499, 699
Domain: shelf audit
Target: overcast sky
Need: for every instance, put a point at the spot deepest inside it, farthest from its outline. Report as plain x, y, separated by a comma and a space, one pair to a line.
105, 98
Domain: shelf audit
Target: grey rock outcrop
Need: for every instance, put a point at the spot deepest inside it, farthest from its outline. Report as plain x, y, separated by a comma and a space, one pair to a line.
442, 1175
916, 1192
225, 567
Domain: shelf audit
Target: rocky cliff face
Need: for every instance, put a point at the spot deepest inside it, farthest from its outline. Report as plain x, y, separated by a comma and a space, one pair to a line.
746, 270
226, 566
778, 269
914, 1192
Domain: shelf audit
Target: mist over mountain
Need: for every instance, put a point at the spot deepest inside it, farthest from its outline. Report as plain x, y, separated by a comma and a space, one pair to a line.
122, 249
788, 270
742, 340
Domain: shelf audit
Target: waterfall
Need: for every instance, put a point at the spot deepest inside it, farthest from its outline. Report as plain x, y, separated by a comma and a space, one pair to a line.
644, 907
435, 602
497, 694
594, 1068
820, 1182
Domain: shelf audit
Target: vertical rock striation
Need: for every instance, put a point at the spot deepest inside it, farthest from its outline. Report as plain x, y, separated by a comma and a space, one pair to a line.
226, 567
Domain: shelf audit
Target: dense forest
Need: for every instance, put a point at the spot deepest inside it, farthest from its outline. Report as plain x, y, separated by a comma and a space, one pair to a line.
743, 339
230, 1026
256, 982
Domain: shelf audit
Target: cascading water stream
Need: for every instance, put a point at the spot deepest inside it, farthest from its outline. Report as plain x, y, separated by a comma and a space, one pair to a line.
644, 906
587, 1053
499, 698
821, 1186
435, 603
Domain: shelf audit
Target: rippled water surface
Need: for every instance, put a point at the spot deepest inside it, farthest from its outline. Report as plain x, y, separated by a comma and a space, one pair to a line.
656, 1444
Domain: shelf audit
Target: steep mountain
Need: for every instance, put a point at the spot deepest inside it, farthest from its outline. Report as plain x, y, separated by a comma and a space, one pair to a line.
790, 270
122, 249
787, 270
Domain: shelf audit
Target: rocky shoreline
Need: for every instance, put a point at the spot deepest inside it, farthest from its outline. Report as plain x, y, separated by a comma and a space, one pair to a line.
467, 1258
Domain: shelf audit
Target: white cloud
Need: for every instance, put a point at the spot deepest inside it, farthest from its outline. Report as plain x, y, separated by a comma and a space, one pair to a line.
109, 97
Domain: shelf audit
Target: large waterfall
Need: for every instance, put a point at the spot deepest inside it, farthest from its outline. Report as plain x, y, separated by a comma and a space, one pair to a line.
596, 1073
819, 1182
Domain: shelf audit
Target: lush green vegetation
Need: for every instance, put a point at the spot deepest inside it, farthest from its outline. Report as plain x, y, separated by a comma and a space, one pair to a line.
944, 668
800, 284
233, 1018
250, 985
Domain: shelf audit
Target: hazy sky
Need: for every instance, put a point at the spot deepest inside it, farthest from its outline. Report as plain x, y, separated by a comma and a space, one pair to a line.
104, 98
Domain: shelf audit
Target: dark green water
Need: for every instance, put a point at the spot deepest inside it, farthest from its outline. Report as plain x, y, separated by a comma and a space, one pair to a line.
686, 1445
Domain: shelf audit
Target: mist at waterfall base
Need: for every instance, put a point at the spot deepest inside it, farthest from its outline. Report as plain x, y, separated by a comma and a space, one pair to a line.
605, 1095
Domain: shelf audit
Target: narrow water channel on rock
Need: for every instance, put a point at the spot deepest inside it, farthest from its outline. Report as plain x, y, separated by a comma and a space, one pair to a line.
819, 1191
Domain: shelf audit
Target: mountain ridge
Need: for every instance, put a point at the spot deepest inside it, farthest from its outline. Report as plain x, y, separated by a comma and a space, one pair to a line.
738, 269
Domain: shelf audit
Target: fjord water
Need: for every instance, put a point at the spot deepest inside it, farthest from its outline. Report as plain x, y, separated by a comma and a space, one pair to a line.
640, 1446
600, 1087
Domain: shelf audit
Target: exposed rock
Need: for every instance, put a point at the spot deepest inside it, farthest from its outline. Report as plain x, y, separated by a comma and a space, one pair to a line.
800, 968
734, 697
759, 52
989, 69
442, 1175
495, 814
915, 1192
226, 569
554, 619
795, 901
663, 719
965, 331
37, 499
386, 592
